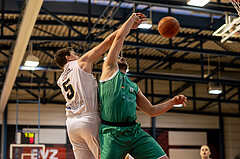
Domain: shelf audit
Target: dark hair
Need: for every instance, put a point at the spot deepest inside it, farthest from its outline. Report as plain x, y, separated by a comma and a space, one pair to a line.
59, 57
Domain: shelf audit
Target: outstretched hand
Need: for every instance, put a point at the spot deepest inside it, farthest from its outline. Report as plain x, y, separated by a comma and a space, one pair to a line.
139, 18
180, 99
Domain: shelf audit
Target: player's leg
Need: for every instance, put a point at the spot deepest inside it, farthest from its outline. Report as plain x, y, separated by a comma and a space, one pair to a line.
75, 129
111, 149
82, 153
91, 136
145, 147
111, 146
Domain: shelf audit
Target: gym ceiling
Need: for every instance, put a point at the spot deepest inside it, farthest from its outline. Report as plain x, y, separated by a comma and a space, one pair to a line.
185, 64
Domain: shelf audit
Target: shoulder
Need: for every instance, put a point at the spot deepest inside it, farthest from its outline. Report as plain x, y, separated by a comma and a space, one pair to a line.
133, 83
115, 74
61, 78
136, 86
70, 64
73, 63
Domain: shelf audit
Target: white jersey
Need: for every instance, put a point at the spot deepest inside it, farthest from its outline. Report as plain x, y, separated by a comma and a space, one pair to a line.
79, 89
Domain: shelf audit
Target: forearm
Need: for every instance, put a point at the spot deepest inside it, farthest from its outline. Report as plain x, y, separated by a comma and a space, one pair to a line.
109, 40
92, 55
153, 110
122, 32
126, 27
162, 107
111, 61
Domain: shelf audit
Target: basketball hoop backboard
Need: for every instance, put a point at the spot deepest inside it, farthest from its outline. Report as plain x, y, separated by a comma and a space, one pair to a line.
231, 28
236, 4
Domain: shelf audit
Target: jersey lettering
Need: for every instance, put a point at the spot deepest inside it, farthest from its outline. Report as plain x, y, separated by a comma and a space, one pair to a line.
68, 88
131, 90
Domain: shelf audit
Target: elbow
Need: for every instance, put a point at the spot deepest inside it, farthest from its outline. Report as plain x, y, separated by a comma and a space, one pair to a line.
152, 115
154, 112
151, 112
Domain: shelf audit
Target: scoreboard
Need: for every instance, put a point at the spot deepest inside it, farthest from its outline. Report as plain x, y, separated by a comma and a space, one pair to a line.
27, 138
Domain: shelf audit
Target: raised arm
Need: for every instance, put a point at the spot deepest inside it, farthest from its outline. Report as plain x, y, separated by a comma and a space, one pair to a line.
153, 110
86, 61
110, 64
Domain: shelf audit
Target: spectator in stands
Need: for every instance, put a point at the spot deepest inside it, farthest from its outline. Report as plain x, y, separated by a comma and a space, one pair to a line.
205, 152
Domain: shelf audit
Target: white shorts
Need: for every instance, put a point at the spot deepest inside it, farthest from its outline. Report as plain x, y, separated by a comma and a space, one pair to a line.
84, 136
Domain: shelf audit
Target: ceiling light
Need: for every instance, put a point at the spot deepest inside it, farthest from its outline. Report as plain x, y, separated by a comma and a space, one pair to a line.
199, 3
31, 61
146, 24
178, 105
214, 88
215, 91
28, 68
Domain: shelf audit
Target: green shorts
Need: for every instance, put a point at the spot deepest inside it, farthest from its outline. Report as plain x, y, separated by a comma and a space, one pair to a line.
116, 142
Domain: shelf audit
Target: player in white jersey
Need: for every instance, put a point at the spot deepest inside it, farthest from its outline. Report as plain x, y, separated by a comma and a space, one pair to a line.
79, 88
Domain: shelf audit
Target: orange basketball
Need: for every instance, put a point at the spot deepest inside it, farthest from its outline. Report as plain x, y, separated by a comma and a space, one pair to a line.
168, 27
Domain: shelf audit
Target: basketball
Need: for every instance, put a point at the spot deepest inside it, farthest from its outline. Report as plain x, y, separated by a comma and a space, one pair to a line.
168, 27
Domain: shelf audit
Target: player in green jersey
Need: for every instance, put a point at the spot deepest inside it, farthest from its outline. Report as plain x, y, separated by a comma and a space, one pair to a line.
119, 133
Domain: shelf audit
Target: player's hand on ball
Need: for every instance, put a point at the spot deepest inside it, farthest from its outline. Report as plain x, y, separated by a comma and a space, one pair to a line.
139, 18
180, 99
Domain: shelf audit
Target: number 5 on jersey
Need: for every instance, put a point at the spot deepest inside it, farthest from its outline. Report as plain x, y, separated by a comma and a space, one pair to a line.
68, 88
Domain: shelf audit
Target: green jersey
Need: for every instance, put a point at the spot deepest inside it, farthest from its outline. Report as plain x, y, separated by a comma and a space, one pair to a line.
118, 98
118, 104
